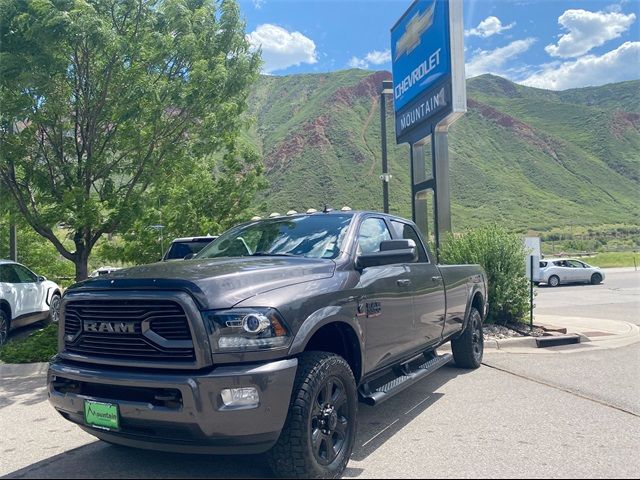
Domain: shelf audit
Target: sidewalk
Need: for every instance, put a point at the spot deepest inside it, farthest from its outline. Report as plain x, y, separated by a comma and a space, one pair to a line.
594, 334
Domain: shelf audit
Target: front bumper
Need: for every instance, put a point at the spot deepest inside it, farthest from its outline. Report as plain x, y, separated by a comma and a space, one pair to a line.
152, 417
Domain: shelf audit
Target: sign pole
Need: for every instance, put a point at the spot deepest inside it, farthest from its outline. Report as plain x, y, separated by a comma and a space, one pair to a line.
531, 257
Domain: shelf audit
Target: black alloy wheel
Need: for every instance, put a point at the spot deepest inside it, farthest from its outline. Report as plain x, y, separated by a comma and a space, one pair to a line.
468, 348
330, 421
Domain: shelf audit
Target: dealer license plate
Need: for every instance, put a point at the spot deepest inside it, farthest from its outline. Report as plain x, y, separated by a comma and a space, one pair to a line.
101, 415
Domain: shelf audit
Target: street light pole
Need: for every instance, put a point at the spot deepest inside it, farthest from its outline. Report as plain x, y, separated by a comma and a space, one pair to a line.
387, 89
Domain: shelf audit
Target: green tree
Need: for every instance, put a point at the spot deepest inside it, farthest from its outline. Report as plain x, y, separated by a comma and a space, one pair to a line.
102, 99
206, 198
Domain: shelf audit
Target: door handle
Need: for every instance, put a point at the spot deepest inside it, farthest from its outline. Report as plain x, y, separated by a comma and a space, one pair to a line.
404, 282
436, 278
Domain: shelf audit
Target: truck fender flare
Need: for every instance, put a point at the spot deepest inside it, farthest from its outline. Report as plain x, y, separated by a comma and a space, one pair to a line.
321, 318
467, 312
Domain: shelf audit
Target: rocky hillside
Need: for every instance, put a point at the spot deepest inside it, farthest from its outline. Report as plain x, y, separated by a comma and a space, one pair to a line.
532, 158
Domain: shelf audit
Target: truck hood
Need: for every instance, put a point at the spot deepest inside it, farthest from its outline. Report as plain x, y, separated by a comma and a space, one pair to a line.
216, 282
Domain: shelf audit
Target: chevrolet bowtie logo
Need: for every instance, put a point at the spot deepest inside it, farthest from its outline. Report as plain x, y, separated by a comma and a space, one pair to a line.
412, 35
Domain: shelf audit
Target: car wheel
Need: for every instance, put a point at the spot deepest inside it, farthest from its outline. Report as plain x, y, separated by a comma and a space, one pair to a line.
468, 348
4, 326
319, 433
554, 281
54, 308
596, 278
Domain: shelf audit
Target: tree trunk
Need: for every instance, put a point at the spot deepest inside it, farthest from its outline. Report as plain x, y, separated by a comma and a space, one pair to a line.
81, 262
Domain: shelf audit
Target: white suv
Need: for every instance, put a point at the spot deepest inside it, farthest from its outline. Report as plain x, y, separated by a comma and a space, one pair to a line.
25, 298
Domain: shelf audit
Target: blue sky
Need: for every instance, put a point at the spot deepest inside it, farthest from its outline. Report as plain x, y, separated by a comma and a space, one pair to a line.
553, 44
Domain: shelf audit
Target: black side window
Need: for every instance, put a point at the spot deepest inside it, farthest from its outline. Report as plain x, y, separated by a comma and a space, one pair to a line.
8, 274
407, 232
25, 275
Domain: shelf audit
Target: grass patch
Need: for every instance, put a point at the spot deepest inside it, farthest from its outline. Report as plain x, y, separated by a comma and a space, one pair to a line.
613, 259
40, 346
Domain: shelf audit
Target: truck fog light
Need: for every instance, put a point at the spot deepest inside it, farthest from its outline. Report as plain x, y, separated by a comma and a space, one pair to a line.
246, 397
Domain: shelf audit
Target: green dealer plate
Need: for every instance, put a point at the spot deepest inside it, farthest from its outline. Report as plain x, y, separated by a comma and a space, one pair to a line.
101, 415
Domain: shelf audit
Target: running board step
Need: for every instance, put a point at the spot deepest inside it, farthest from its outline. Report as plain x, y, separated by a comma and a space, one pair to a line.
384, 392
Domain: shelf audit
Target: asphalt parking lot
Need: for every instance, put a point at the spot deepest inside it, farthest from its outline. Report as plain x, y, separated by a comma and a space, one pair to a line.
520, 415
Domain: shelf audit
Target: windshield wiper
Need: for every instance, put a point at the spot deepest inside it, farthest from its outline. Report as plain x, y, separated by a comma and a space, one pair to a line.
267, 254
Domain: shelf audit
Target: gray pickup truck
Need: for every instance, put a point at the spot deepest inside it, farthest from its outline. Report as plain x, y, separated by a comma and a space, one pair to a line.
266, 341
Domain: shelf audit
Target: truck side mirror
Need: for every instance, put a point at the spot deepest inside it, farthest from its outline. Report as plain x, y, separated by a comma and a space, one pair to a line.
391, 252
190, 256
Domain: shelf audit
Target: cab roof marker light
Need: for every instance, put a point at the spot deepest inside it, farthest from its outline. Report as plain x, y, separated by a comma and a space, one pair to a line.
256, 218
346, 209
312, 210
274, 215
292, 212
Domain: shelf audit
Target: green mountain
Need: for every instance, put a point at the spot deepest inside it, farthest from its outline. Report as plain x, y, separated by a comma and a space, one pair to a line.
531, 158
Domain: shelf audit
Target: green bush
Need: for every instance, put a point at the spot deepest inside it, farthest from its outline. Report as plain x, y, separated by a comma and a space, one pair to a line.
502, 255
40, 346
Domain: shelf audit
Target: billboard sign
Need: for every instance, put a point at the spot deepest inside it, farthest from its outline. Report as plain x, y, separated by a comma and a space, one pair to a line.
428, 67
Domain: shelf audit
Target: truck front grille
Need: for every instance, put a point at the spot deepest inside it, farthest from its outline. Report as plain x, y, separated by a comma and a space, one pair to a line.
155, 330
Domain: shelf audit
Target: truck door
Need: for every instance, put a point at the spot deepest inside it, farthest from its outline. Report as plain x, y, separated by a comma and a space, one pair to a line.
384, 300
427, 288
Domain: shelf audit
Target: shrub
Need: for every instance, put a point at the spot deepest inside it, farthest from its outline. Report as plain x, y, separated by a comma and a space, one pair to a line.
40, 346
502, 255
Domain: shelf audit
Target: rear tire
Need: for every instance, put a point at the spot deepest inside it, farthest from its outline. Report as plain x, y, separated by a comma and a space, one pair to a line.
319, 433
5, 324
596, 278
554, 281
468, 348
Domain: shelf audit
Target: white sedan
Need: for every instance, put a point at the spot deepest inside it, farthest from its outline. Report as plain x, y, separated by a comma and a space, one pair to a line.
25, 298
560, 271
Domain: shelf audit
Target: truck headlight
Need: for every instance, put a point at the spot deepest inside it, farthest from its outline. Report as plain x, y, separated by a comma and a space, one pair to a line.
246, 329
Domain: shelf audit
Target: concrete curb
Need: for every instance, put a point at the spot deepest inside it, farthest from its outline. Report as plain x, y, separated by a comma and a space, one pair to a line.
11, 370
607, 334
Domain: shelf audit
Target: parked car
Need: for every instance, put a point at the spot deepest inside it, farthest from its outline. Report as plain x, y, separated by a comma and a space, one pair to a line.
25, 298
568, 270
187, 246
267, 340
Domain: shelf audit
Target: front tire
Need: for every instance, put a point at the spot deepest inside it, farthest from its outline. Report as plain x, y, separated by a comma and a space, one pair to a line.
54, 310
468, 348
319, 433
596, 278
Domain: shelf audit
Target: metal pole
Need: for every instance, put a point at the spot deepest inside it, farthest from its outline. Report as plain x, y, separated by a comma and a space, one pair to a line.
531, 293
419, 175
440, 141
383, 133
386, 86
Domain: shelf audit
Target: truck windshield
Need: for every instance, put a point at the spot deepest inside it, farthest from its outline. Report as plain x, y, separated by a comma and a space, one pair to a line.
312, 236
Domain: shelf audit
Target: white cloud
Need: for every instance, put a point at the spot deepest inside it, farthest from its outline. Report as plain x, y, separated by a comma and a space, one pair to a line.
282, 49
615, 66
493, 61
488, 27
374, 57
356, 62
587, 30
378, 58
